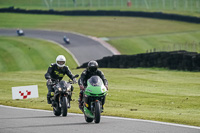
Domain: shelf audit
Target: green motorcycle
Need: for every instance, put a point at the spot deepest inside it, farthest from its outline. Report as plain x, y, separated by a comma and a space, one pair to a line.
93, 99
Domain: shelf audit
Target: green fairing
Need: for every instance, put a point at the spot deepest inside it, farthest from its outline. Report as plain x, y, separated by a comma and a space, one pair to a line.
95, 90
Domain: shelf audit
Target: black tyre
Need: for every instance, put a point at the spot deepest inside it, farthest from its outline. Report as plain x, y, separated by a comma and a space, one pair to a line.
64, 106
87, 119
97, 112
57, 110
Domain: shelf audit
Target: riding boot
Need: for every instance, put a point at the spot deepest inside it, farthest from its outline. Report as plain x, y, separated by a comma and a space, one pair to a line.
50, 90
49, 100
102, 108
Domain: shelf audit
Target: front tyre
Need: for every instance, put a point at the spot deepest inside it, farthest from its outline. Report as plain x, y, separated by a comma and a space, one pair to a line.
64, 106
97, 112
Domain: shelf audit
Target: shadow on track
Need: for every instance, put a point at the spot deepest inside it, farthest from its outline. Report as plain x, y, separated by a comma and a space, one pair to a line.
49, 125
33, 117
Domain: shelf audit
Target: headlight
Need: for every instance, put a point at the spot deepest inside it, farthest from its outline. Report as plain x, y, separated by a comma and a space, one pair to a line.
68, 89
59, 89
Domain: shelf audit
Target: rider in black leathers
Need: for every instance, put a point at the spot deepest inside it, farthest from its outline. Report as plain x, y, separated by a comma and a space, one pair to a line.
90, 71
57, 71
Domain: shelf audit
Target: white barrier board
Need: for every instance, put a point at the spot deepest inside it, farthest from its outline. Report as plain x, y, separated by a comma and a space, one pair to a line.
24, 92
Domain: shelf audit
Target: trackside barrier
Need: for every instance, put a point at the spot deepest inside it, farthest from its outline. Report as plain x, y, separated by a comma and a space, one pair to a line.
175, 60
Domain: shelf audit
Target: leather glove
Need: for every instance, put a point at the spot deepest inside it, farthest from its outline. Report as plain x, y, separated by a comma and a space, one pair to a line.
49, 82
74, 81
81, 87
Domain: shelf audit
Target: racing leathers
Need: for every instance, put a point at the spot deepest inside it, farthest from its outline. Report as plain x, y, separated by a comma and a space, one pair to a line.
55, 73
83, 81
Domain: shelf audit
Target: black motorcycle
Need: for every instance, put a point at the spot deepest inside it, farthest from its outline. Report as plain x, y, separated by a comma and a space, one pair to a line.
62, 96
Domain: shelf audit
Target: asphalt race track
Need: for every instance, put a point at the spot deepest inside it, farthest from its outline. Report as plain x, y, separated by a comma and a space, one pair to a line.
19, 120
82, 47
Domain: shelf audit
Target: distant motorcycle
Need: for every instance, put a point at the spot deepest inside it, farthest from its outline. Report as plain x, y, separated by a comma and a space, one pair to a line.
66, 40
62, 96
20, 32
93, 99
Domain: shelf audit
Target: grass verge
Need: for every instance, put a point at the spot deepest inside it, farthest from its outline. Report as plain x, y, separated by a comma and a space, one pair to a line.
189, 41
130, 35
21, 53
161, 95
97, 26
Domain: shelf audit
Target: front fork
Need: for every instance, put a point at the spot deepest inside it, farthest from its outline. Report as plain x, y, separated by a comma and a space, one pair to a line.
101, 106
60, 100
93, 106
91, 112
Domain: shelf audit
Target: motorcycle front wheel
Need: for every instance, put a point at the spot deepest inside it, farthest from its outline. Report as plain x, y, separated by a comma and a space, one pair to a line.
64, 106
97, 112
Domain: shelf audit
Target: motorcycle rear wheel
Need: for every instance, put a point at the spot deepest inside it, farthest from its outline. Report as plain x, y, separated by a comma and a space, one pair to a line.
57, 111
64, 106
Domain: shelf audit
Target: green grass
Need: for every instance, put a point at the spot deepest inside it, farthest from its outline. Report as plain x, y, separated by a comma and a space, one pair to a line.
186, 7
21, 53
97, 26
189, 41
130, 35
161, 95
170, 96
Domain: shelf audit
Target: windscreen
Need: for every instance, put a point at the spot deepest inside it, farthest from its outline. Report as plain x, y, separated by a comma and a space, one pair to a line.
95, 81
63, 84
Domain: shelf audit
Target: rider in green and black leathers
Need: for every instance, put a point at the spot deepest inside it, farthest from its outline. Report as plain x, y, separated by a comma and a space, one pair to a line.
90, 71
57, 71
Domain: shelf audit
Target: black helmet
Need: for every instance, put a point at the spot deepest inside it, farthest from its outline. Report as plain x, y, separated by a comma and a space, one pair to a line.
92, 66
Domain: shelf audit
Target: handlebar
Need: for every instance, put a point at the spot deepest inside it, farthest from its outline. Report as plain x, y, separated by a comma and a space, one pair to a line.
76, 76
70, 81
55, 81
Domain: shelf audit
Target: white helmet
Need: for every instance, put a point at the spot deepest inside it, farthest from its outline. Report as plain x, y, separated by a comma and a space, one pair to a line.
60, 60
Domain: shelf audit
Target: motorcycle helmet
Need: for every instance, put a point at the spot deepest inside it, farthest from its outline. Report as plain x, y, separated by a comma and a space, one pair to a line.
92, 66
60, 60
